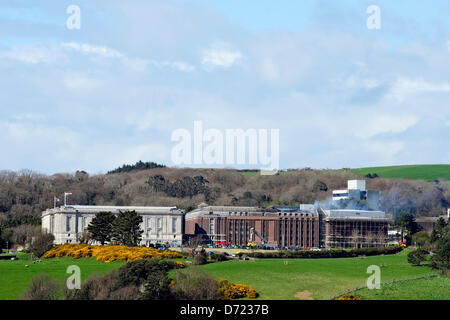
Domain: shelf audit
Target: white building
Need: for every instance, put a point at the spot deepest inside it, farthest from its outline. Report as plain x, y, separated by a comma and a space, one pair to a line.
160, 224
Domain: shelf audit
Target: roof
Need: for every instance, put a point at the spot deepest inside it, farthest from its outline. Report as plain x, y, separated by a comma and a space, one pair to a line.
112, 209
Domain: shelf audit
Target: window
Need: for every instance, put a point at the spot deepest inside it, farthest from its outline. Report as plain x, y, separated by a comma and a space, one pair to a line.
174, 225
158, 234
211, 226
68, 224
158, 223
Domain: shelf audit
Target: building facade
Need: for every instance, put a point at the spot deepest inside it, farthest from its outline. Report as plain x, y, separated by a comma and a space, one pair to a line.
347, 228
159, 224
273, 227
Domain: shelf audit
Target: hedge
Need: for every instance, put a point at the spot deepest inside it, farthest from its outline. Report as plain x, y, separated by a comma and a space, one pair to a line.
334, 253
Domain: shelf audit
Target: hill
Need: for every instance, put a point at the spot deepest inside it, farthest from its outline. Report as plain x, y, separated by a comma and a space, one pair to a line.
423, 172
25, 194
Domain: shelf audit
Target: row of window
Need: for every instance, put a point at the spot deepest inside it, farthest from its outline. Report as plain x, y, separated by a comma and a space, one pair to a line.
84, 224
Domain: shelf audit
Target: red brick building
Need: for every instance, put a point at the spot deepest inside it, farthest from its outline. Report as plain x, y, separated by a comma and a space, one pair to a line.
274, 227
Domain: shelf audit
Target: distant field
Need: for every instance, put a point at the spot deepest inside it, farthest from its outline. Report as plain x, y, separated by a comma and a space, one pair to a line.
423, 172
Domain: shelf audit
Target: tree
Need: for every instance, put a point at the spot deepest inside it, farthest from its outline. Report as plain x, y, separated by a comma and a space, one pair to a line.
380, 238
23, 234
441, 248
41, 244
355, 238
417, 256
201, 258
438, 230
370, 239
407, 224
126, 228
157, 286
421, 239
101, 227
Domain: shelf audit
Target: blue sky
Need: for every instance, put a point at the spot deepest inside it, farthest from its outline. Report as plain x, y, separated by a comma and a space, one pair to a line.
114, 91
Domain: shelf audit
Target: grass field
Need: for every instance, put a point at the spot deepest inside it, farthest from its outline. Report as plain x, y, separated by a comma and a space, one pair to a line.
271, 278
14, 276
316, 278
423, 172
437, 288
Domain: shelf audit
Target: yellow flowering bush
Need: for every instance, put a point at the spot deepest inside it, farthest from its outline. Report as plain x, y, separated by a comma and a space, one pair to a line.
180, 265
349, 297
232, 291
111, 253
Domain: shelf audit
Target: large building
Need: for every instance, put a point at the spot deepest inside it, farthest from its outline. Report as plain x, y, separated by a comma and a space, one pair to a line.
160, 224
351, 219
349, 228
273, 227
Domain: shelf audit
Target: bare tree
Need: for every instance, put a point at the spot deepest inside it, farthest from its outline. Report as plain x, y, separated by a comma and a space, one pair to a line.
355, 238
370, 239
381, 239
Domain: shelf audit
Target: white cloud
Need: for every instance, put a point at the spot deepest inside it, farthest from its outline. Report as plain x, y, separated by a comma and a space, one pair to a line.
32, 54
220, 54
378, 124
103, 51
405, 87
178, 65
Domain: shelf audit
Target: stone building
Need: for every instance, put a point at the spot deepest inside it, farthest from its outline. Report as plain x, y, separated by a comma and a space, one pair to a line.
274, 227
160, 224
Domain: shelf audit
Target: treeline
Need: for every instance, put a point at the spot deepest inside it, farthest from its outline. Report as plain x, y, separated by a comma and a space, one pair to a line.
138, 166
27, 193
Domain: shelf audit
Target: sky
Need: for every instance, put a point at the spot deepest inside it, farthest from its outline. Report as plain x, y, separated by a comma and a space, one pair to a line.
114, 91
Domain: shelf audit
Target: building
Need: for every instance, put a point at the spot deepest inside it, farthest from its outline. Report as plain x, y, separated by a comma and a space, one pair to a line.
160, 224
353, 218
273, 227
348, 228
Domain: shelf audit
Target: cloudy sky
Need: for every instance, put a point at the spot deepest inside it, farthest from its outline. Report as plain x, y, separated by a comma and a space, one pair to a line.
113, 91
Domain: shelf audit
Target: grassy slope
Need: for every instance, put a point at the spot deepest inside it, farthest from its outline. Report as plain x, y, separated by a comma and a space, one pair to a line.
323, 278
14, 276
423, 289
424, 172
272, 279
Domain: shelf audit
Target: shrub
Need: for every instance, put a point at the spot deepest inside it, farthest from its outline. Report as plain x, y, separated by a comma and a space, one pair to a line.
417, 256
349, 297
231, 291
138, 272
334, 253
157, 286
42, 287
110, 253
194, 283
219, 257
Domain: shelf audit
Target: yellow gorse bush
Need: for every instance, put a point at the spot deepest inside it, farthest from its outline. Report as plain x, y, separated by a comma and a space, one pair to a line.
349, 297
111, 253
236, 290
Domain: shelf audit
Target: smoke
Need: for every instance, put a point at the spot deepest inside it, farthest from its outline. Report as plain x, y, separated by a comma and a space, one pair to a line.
349, 204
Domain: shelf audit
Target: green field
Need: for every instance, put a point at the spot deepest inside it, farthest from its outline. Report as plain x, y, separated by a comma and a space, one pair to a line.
423, 172
271, 278
318, 278
14, 276
437, 288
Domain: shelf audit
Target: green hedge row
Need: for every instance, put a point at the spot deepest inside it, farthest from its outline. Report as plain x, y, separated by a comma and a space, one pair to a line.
333, 253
